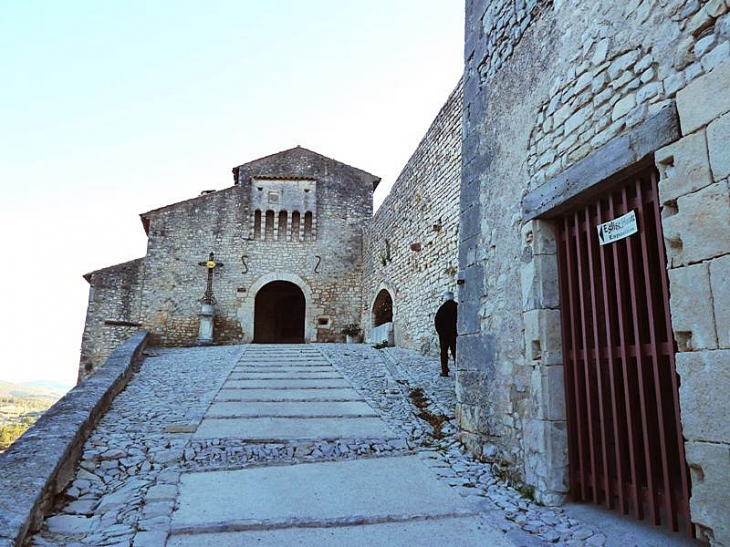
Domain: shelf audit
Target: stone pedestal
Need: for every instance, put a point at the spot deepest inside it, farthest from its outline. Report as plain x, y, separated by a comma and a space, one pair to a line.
205, 334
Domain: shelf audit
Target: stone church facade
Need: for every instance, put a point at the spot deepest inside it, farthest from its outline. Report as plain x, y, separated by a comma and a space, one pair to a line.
590, 371
287, 239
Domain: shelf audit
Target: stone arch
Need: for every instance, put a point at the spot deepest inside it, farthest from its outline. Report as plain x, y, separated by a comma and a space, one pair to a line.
246, 311
279, 314
382, 316
381, 310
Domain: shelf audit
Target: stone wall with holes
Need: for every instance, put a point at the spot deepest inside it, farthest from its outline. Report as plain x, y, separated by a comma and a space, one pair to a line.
411, 243
695, 194
546, 84
324, 259
113, 313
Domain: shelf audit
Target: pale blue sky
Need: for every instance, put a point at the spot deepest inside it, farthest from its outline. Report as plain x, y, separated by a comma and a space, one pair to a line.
109, 109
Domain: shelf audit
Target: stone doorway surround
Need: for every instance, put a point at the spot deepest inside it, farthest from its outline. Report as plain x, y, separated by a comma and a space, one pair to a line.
246, 312
279, 314
545, 432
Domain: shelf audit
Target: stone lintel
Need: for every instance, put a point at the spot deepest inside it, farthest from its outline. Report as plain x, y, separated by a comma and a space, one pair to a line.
611, 163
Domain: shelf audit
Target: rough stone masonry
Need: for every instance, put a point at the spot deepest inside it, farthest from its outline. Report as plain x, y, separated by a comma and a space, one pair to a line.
559, 100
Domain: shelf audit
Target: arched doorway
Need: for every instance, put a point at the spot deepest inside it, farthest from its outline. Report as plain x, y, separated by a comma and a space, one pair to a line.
279, 314
382, 308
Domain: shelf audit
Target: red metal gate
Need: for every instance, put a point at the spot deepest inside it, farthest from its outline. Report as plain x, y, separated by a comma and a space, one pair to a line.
625, 437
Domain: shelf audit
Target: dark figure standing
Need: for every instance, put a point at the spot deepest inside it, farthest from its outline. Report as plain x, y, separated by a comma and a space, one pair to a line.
446, 328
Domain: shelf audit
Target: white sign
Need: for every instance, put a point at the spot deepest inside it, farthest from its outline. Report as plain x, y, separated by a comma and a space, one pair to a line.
618, 228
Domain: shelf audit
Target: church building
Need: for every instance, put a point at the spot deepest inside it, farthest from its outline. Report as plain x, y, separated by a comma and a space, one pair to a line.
286, 264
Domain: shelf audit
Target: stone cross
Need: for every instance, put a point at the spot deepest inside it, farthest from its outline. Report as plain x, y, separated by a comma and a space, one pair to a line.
211, 264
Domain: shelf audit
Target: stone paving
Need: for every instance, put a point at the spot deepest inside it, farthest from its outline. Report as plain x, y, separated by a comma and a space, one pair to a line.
176, 458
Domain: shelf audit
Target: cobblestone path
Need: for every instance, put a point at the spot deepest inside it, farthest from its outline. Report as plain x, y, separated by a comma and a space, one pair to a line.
275, 445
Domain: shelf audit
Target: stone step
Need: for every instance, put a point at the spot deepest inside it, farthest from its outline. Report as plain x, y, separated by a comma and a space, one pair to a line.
276, 429
286, 383
313, 504
294, 375
290, 409
309, 394
440, 532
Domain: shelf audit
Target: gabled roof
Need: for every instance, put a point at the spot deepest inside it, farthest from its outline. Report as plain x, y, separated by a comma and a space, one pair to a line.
129, 264
293, 164
296, 163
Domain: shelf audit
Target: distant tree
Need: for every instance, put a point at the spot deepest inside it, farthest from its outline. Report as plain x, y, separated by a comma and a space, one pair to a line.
10, 432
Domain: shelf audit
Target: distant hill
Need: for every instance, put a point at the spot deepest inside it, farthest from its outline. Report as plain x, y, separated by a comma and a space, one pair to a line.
49, 385
48, 390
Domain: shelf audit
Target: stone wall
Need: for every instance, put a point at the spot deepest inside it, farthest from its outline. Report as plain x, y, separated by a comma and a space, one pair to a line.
113, 312
694, 190
411, 243
41, 463
548, 85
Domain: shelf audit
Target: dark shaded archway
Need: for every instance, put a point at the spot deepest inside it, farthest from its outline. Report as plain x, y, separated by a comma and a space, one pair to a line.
279, 314
382, 308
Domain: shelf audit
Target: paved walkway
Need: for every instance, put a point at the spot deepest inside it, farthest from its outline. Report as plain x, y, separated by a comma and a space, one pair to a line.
282, 445
293, 395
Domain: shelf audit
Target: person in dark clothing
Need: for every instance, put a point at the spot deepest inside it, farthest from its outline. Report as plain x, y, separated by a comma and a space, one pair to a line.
445, 323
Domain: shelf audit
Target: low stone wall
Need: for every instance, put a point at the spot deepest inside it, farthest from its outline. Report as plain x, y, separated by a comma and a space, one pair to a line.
40, 464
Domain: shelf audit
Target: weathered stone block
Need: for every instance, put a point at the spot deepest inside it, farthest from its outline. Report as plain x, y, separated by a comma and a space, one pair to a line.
623, 106
548, 393
540, 236
703, 394
691, 306
684, 167
718, 139
543, 337
704, 99
476, 352
549, 470
710, 502
720, 283
540, 288
700, 229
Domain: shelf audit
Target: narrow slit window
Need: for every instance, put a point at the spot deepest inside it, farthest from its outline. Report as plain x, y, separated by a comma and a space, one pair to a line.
282, 225
295, 223
257, 224
308, 226
269, 235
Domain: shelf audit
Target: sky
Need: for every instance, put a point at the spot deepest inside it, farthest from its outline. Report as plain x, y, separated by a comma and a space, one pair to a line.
110, 109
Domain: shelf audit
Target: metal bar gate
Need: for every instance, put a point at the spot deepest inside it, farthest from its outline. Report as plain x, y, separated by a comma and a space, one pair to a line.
625, 437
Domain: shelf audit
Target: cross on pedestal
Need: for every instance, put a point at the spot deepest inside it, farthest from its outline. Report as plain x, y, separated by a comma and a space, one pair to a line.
211, 264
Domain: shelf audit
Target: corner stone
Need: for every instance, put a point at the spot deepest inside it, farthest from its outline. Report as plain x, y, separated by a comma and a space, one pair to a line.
720, 282
692, 314
710, 502
704, 99
718, 138
684, 167
703, 395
